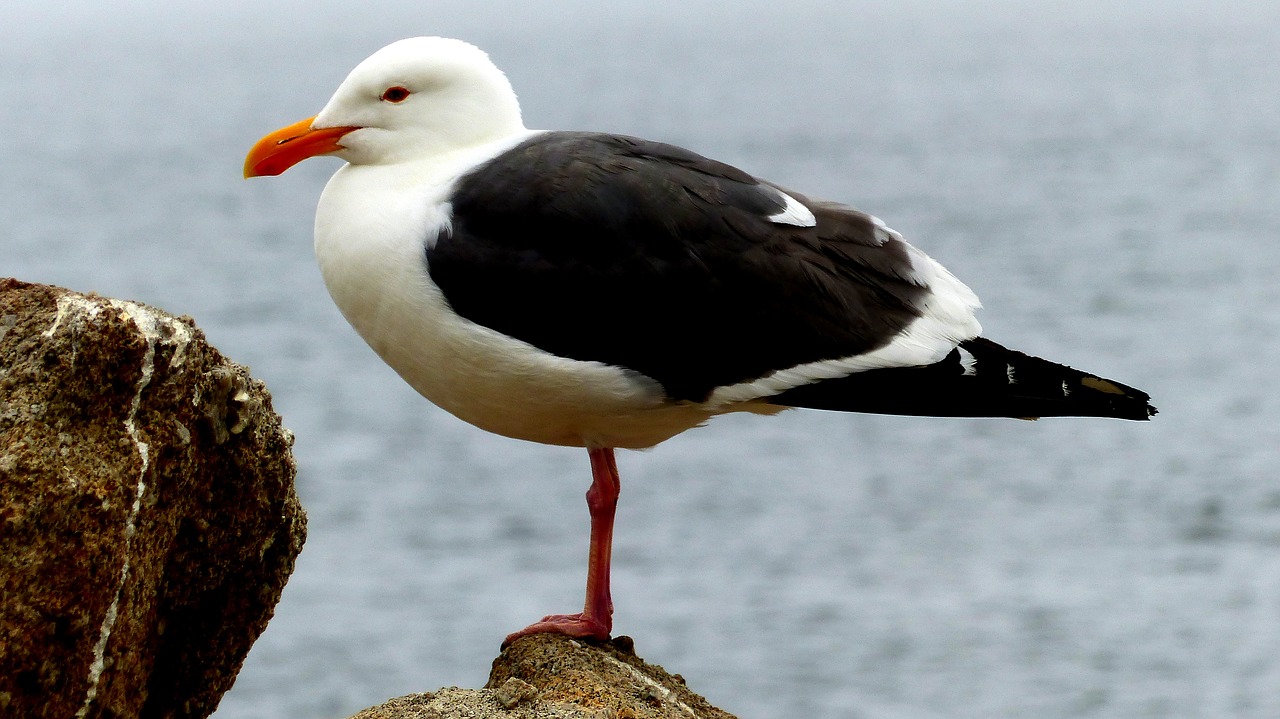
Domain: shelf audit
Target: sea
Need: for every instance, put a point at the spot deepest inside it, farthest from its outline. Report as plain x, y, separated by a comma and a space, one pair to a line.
1105, 175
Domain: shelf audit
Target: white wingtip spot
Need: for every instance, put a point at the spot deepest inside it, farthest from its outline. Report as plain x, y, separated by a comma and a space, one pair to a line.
794, 213
968, 362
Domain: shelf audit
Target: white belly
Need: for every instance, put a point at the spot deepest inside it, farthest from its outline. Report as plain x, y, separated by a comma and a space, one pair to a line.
372, 253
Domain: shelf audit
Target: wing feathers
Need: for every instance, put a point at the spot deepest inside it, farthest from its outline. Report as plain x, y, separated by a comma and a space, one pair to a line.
689, 271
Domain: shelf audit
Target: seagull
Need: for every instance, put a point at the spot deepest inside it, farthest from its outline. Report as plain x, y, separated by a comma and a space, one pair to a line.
605, 291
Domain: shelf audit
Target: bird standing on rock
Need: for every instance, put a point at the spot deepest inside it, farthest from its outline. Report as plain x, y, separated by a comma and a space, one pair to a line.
605, 291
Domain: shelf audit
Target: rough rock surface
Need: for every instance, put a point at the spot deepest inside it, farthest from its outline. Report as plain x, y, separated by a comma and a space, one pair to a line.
548, 676
148, 519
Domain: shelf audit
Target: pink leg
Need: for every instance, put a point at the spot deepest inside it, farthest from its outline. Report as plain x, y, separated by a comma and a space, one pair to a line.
596, 618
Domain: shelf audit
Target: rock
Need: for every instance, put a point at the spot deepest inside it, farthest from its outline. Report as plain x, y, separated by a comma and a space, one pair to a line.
549, 676
148, 519
513, 691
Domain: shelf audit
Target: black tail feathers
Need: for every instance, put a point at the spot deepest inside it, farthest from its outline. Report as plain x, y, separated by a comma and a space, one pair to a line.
978, 379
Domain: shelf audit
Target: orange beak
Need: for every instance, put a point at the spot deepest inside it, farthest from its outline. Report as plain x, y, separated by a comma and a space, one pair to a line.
290, 145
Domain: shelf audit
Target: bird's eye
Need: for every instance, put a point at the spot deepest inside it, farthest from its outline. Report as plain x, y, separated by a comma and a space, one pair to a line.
395, 94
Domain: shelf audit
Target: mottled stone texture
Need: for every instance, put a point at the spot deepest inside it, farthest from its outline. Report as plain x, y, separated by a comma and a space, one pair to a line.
549, 676
148, 519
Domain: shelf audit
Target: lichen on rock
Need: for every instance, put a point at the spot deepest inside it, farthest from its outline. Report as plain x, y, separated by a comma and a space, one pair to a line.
550, 676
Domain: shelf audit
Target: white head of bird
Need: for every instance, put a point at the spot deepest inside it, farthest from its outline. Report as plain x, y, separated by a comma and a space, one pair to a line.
417, 98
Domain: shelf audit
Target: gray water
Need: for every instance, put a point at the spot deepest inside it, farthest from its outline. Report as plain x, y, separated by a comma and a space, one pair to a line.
1107, 178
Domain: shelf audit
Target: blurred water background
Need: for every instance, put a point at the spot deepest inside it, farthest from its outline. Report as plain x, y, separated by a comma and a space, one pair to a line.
1105, 175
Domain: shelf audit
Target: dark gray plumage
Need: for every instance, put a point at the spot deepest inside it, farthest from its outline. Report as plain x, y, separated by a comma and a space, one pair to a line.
652, 258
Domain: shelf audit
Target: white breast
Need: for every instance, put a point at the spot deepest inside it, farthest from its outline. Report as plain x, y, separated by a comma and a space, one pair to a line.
372, 226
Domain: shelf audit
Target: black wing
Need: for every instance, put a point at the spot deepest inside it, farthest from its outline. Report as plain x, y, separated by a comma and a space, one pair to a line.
652, 258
